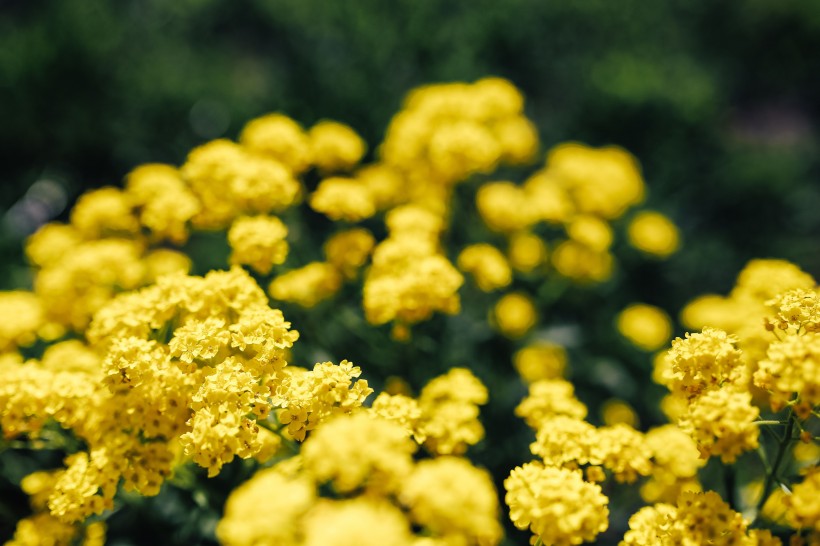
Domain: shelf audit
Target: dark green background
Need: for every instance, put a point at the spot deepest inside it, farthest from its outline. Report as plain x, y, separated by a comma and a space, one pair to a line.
719, 100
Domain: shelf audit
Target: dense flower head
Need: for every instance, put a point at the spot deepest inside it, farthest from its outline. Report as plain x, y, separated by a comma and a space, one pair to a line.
409, 281
762, 280
514, 314
556, 504
402, 410
623, 450
504, 207
255, 516
310, 397
548, 398
565, 441
792, 369
335, 146
579, 262
307, 285
229, 180
526, 251
21, 316
796, 311
163, 201
450, 412
279, 137
344, 199
258, 241
803, 505
702, 362
698, 518
104, 212
452, 498
487, 265
675, 464
540, 360
653, 233
452, 131
357, 522
722, 423
349, 250
604, 181
368, 452
646, 326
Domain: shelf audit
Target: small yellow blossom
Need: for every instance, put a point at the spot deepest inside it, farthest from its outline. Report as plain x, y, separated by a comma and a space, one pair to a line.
648, 327
804, 502
504, 207
541, 360
721, 422
368, 452
361, 521
279, 137
255, 517
591, 232
308, 285
702, 362
526, 251
487, 265
449, 497
335, 146
514, 314
556, 504
343, 199
349, 250
653, 233
104, 212
581, 263
258, 241
548, 398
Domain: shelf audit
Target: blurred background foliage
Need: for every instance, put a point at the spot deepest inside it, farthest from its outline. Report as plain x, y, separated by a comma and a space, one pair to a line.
718, 100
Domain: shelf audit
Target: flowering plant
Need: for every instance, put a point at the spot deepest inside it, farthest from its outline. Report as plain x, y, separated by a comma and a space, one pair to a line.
140, 360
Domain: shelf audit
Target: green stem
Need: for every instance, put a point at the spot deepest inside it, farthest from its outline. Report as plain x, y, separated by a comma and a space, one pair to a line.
778, 459
730, 485
768, 423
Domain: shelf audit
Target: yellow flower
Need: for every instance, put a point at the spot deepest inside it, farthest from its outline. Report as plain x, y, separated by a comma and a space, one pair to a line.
258, 241
504, 207
721, 422
21, 315
804, 502
487, 265
556, 504
548, 398
541, 360
653, 233
514, 314
335, 146
526, 251
349, 250
279, 137
343, 199
360, 521
602, 181
591, 232
451, 498
646, 326
367, 452
581, 263
308, 285
255, 517
702, 362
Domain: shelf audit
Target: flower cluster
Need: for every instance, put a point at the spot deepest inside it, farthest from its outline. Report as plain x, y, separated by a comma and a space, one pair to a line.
137, 372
